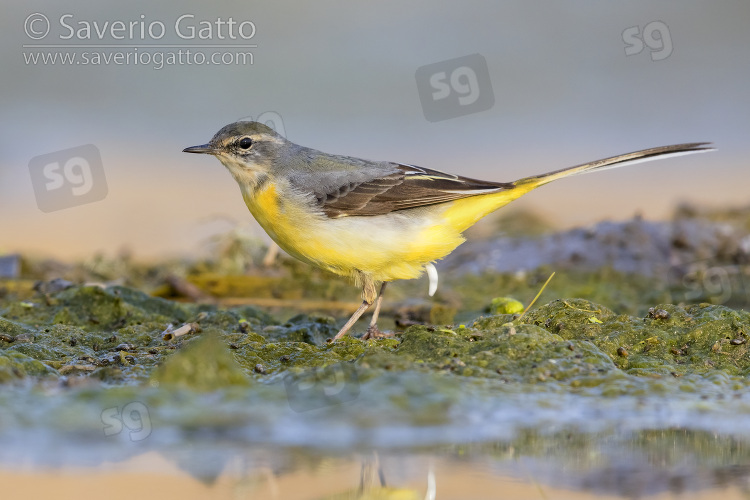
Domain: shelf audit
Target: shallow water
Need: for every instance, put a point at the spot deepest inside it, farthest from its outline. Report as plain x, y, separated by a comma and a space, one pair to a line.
570, 398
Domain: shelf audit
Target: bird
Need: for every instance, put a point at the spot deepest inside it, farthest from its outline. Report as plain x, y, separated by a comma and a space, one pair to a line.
373, 221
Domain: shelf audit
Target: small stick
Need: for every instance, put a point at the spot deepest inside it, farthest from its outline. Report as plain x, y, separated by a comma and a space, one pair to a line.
170, 334
537, 295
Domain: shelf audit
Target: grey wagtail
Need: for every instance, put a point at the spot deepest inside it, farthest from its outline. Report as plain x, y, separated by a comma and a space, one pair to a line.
375, 221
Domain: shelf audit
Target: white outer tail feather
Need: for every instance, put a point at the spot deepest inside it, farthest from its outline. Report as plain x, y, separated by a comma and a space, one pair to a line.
432, 275
641, 156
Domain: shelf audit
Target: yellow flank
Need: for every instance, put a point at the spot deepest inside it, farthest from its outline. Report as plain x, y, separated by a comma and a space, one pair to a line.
464, 213
387, 247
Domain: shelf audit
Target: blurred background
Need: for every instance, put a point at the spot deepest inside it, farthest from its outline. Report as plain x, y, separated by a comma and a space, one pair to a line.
94, 121
564, 84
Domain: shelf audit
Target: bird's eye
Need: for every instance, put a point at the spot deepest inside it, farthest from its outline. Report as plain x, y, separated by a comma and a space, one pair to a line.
246, 142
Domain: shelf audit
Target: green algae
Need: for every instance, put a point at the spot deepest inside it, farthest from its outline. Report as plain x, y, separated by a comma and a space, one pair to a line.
628, 293
505, 305
94, 308
116, 335
669, 340
228, 381
204, 364
519, 353
420, 377
16, 366
66, 357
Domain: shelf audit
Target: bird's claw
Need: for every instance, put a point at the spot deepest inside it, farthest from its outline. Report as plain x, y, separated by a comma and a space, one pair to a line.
374, 333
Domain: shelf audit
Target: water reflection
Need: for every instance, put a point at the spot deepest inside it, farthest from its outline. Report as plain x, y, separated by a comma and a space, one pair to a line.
534, 464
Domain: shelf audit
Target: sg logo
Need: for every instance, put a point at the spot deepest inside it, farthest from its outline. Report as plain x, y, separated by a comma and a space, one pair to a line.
660, 46
271, 119
463, 81
456, 87
68, 178
705, 281
134, 416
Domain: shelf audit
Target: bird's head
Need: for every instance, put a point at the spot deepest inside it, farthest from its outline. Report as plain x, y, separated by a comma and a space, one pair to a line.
247, 149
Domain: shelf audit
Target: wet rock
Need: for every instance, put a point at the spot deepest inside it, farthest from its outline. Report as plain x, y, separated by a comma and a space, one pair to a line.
312, 329
637, 246
10, 266
17, 366
53, 286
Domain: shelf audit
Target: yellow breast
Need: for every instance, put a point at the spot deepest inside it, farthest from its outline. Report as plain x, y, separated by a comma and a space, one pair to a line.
387, 247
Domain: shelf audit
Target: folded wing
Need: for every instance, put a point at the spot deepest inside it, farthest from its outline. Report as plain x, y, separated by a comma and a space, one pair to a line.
408, 187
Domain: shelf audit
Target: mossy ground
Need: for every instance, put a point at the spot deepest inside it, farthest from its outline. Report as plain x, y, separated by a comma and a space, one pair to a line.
242, 374
601, 352
116, 335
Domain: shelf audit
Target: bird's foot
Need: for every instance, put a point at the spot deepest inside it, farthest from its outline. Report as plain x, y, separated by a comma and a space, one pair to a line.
374, 333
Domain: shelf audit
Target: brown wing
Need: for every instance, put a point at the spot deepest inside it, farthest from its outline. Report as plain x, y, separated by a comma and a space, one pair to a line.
408, 187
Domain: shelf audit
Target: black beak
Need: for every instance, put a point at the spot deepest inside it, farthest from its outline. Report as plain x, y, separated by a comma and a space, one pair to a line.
203, 149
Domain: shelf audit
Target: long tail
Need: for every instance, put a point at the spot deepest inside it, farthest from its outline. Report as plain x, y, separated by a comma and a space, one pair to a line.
616, 162
467, 211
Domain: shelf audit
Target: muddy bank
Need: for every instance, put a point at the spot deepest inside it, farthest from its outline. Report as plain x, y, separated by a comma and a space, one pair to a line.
100, 374
123, 337
637, 246
92, 368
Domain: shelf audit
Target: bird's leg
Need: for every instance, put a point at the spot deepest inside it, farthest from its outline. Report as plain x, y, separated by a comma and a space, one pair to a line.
353, 319
368, 297
378, 303
372, 331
